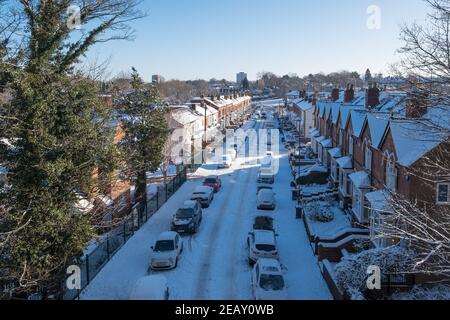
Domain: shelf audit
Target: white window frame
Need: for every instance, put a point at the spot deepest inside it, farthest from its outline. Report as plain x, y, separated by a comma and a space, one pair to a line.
351, 144
448, 193
356, 202
391, 172
334, 174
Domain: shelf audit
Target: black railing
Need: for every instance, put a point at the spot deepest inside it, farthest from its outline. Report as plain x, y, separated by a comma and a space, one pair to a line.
91, 264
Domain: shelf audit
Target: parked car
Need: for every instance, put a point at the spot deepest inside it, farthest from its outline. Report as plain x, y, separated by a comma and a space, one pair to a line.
166, 251
188, 218
150, 288
204, 195
225, 162
262, 187
266, 200
263, 223
214, 182
261, 244
266, 176
268, 281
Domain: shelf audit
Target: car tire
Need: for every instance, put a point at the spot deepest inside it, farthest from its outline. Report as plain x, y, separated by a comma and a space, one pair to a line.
251, 262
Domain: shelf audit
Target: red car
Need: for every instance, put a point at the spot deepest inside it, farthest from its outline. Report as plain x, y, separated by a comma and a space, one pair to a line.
213, 182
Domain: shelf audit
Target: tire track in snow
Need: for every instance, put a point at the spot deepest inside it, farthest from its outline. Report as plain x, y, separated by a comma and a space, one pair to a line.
208, 255
237, 226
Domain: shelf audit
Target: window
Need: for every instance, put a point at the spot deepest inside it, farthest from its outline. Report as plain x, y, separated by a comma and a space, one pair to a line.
350, 145
368, 157
348, 188
357, 202
391, 173
443, 193
333, 169
341, 137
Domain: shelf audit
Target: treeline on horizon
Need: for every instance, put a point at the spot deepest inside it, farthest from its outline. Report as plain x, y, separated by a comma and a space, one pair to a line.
179, 91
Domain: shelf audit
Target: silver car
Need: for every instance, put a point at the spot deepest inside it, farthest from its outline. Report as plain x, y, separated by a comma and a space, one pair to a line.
266, 200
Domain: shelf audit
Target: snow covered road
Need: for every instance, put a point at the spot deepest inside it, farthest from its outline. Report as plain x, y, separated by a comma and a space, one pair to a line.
214, 264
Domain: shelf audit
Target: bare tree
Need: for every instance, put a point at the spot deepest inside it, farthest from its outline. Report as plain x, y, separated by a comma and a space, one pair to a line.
426, 55
419, 222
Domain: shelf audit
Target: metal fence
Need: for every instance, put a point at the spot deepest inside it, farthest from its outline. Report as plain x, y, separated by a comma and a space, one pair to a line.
92, 263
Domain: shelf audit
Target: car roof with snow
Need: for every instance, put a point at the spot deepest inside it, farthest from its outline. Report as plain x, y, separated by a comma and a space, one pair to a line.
189, 204
203, 189
270, 266
149, 288
264, 237
266, 192
169, 235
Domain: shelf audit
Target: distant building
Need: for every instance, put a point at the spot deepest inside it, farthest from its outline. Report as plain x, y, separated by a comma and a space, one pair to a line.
156, 78
241, 76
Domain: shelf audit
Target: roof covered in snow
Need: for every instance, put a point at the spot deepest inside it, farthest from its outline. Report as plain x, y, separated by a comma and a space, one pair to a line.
184, 115
335, 152
294, 93
345, 162
304, 105
413, 139
327, 143
379, 201
439, 115
360, 179
335, 112
358, 117
378, 123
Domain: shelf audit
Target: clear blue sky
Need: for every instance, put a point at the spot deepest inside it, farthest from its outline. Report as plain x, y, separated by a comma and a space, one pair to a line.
202, 39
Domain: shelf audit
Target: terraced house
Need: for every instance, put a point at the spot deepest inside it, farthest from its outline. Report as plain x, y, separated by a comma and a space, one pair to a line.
377, 144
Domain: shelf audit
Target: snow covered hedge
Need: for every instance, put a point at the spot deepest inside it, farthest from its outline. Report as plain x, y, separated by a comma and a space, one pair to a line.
440, 292
351, 273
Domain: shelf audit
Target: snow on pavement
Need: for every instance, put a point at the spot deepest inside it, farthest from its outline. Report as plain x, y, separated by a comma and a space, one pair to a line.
214, 263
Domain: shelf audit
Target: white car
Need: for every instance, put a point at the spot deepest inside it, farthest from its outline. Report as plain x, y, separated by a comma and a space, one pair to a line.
266, 177
268, 281
225, 162
266, 200
150, 288
166, 252
204, 195
261, 244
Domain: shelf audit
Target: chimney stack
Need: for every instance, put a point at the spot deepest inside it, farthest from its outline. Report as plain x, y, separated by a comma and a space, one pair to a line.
349, 94
416, 104
372, 96
335, 94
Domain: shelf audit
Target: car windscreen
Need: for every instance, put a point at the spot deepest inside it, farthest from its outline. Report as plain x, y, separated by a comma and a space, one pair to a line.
271, 282
265, 247
185, 213
164, 245
210, 180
